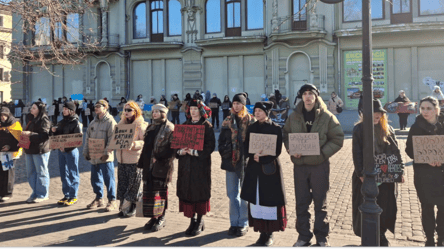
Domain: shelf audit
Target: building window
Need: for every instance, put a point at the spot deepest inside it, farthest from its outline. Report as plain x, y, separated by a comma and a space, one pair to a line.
431, 7
66, 29
140, 21
299, 15
42, 35
72, 28
2, 52
1, 74
255, 14
352, 10
233, 17
401, 6
1, 96
1, 21
157, 21
174, 18
212, 11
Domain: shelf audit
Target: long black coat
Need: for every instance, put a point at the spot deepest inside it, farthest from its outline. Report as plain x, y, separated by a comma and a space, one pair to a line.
386, 198
429, 181
194, 172
271, 187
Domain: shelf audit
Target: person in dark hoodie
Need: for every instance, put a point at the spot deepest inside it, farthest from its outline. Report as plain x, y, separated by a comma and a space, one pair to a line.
402, 116
185, 102
37, 155
56, 111
214, 105
226, 105
69, 157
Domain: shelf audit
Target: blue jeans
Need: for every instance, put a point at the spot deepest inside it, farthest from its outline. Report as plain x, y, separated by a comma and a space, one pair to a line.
238, 207
69, 172
38, 175
100, 173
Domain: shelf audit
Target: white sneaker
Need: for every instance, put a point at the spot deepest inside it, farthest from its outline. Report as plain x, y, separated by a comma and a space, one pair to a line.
325, 244
37, 200
30, 200
300, 243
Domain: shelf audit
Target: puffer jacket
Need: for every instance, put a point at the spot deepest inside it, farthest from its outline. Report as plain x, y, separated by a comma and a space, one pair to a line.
69, 125
100, 129
331, 135
132, 156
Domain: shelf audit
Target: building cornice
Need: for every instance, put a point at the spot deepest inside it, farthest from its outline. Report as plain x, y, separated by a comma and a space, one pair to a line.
294, 35
229, 41
299, 46
152, 45
393, 28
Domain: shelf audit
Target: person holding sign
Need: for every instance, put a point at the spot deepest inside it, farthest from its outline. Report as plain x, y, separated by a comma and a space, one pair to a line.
10, 130
402, 116
37, 155
231, 149
214, 104
129, 184
102, 169
194, 171
68, 157
312, 172
263, 185
429, 177
156, 161
385, 143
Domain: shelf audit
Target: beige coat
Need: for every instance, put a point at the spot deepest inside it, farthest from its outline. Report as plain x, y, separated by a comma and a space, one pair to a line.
100, 129
332, 105
132, 156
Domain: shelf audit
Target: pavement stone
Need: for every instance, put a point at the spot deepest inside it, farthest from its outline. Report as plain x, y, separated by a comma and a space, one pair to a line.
47, 224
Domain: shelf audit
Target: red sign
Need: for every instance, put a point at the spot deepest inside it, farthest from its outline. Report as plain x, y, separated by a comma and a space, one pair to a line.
188, 136
24, 142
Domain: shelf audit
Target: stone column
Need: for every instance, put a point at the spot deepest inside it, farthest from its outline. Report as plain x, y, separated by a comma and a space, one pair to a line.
274, 17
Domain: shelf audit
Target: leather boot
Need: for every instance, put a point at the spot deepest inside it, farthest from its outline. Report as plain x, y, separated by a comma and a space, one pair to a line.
159, 224
191, 226
199, 226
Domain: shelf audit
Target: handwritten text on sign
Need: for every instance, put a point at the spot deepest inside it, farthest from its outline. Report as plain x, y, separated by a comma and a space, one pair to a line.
188, 136
87, 112
65, 141
123, 137
388, 167
96, 148
306, 144
24, 142
428, 149
262, 142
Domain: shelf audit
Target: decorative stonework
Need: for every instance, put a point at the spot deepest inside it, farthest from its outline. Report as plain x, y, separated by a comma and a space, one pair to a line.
274, 17
190, 9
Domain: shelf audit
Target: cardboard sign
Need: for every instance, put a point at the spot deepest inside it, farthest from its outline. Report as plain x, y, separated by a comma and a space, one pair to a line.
213, 105
51, 110
306, 144
428, 149
87, 112
123, 137
96, 148
388, 167
262, 142
188, 136
410, 107
25, 110
60, 108
18, 112
65, 141
24, 141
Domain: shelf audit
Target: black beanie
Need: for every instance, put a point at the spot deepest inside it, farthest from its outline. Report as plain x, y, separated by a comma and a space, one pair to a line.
70, 105
265, 106
193, 102
308, 87
241, 98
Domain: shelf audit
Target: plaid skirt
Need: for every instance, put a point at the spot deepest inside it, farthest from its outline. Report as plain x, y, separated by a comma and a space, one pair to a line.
155, 201
269, 226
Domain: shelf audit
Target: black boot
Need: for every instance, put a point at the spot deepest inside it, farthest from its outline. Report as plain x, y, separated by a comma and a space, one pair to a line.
192, 225
149, 225
430, 242
199, 226
383, 241
262, 239
269, 241
159, 224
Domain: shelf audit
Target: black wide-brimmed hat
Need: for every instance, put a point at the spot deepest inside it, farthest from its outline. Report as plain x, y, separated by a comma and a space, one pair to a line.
377, 106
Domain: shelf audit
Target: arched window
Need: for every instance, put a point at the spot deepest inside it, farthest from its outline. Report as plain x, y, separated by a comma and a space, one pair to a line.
157, 21
139, 22
174, 18
212, 10
255, 14
233, 17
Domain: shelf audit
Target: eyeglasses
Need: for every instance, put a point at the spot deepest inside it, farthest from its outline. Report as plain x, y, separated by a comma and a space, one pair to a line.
97, 106
129, 110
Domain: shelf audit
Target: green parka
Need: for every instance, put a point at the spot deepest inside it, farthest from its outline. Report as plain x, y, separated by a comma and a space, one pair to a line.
331, 135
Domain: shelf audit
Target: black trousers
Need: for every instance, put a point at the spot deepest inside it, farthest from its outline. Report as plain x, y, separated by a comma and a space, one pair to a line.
215, 117
225, 113
7, 179
175, 116
311, 183
84, 120
91, 118
430, 223
403, 120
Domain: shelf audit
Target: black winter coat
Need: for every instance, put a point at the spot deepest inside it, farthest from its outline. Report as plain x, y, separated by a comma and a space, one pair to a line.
271, 187
225, 149
429, 181
194, 172
39, 128
68, 125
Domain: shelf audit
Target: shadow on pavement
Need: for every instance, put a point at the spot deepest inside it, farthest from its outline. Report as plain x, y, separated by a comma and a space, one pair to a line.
27, 209
106, 236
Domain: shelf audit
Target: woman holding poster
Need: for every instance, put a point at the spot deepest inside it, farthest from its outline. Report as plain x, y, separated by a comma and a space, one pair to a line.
68, 157
194, 172
429, 177
263, 185
157, 163
129, 184
385, 143
10, 130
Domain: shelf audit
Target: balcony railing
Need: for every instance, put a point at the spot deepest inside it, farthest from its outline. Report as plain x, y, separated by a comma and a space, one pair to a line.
94, 38
316, 22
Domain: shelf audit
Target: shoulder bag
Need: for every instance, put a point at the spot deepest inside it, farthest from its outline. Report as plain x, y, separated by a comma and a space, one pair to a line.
338, 108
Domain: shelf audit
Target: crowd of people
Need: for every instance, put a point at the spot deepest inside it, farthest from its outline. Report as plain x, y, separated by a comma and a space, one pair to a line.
254, 181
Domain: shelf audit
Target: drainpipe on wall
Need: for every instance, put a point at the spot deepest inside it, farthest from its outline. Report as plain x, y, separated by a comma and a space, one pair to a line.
339, 69
128, 73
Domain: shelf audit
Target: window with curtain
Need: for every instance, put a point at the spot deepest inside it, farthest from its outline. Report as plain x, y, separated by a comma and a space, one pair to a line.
431, 7
255, 14
157, 17
352, 10
212, 10
233, 13
72, 28
42, 35
174, 18
139, 21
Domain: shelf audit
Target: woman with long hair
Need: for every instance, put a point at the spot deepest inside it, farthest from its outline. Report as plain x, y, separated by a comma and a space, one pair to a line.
429, 177
385, 143
129, 177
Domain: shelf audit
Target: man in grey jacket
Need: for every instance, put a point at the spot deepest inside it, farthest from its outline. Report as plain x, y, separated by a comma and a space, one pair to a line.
102, 169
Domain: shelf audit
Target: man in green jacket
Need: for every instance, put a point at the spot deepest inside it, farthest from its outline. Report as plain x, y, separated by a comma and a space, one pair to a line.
311, 173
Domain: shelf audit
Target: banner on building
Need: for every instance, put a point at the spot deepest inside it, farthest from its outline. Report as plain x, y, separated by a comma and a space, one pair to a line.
353, 74
188, 136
